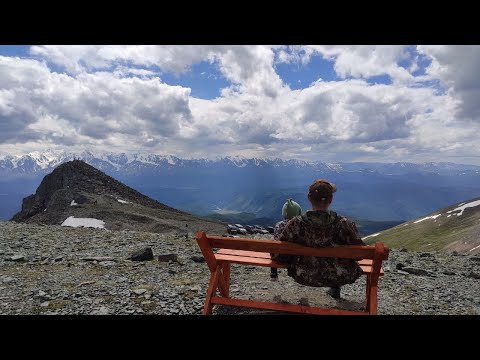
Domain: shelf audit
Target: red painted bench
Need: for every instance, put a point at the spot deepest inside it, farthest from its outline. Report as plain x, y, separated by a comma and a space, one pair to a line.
246, 251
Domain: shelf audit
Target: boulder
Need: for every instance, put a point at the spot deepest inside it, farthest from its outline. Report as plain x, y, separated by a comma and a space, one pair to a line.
167, 257
417, 271
145, 254
197, 259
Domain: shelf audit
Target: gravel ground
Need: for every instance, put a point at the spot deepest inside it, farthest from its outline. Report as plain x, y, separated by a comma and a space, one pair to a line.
58, 270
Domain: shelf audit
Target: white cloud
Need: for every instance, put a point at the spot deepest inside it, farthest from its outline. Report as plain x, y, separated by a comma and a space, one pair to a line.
112, 97
457, 67
249, 66
37, 103
357, 61
79, 58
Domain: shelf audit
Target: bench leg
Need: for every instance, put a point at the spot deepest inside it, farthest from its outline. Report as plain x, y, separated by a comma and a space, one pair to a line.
212, 287
367, 302
373, 300
226, 276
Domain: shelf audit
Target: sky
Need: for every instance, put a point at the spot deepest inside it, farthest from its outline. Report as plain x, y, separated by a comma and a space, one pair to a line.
380, 103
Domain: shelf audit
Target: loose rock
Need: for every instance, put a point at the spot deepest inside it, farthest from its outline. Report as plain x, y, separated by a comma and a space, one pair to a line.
167, 257
197, 259
144, 254
417, 271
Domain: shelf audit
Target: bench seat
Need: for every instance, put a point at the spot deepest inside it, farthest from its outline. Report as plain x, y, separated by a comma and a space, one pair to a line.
246, 257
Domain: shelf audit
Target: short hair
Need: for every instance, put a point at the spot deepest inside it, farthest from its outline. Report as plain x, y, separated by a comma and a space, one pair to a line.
321, 191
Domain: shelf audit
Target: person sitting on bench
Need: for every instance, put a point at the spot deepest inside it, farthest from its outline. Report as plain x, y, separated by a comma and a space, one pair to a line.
321, 227
289, 210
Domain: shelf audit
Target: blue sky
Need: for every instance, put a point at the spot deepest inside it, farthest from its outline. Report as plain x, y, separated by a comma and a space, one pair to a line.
348, 103
206, 81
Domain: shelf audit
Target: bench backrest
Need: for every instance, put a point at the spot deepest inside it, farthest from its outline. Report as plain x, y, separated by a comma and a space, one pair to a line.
378, 251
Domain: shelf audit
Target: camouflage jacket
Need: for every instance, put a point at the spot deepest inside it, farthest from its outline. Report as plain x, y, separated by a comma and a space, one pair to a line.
321, 229
278, 229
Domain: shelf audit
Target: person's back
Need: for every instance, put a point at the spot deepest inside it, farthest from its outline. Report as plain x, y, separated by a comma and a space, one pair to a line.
321, 227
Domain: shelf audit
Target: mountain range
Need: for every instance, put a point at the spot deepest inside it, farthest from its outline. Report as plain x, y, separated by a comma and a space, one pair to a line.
256, 188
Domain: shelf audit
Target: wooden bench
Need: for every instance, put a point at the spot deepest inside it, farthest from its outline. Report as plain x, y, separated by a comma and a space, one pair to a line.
246, 251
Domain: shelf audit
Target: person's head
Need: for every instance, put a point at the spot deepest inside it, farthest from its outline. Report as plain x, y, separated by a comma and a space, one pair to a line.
291, 209
320, 194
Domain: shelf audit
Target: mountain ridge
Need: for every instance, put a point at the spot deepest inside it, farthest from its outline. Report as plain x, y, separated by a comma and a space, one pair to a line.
37, 161
452, 228
78, 190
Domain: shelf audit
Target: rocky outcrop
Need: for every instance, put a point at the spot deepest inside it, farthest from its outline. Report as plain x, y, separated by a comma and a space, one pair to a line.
70, 181
76, 189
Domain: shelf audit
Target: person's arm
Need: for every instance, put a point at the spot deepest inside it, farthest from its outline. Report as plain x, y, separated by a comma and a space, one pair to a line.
290, 231
349, 234
287, 234
278, 229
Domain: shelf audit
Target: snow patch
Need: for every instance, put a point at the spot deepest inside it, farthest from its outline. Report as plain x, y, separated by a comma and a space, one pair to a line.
123, 201
475, 248
426, 218
463, 207
171, 160
372, 235
85, 222
73, 203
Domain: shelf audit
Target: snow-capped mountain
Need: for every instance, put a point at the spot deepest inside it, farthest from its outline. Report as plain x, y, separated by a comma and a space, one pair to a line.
259, 186
122, 162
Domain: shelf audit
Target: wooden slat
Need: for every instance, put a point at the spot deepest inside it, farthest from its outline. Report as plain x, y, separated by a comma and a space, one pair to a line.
368, 269
284, 247
365, 262
264, 255
283, 307
245, 260
255, 254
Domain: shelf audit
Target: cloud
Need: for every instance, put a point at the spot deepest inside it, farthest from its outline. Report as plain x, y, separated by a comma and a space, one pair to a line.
36, 103
113, 98
80, 58
357, 61
250, 67
457, 67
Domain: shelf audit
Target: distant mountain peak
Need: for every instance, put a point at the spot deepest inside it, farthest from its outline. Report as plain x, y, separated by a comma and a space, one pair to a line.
77, 190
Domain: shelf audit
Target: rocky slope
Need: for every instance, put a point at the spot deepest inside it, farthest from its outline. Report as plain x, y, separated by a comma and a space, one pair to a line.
58, 270
454, 228
76, 189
